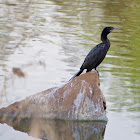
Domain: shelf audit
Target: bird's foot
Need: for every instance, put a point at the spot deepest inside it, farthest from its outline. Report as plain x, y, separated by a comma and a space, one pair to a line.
97, 73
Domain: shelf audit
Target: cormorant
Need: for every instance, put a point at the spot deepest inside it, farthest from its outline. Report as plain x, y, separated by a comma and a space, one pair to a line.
97, 54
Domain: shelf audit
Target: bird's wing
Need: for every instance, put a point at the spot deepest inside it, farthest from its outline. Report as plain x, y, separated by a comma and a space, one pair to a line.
92, 56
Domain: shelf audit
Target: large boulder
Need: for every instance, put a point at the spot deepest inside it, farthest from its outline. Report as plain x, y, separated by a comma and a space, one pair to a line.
79, 99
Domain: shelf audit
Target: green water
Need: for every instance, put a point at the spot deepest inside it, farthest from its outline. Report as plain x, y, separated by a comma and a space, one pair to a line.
48, 41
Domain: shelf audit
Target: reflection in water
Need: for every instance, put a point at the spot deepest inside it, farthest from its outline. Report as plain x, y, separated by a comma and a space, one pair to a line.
59, 34
18, 72
59, 129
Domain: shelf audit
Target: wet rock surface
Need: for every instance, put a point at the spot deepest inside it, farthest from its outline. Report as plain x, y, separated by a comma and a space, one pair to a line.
80, 99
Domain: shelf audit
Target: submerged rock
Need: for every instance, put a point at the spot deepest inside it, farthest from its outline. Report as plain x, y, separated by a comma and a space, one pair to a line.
80, 99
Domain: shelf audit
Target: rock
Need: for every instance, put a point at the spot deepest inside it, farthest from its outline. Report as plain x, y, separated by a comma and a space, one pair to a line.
80, 99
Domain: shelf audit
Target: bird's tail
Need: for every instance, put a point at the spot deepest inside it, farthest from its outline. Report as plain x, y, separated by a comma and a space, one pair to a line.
77, 74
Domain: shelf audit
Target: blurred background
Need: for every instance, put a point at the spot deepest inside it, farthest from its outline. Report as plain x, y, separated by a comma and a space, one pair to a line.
44, 42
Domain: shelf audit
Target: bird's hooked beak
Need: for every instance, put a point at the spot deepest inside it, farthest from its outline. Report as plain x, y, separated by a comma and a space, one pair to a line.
115, 29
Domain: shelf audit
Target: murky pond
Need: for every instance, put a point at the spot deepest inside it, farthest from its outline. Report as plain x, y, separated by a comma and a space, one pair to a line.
42, 45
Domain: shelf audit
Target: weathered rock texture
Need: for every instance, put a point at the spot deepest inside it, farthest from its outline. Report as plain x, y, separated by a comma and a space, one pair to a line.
80, 99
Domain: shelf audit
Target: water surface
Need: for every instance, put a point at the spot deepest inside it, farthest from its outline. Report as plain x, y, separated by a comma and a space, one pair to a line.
43, 43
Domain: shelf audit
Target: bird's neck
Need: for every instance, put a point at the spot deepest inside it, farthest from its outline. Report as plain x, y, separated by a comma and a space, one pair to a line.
104, 37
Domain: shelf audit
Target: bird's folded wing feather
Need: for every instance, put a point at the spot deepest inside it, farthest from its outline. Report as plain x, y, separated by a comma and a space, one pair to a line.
92, 55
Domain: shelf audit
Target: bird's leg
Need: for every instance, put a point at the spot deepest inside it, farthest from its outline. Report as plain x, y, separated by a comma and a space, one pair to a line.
97, 71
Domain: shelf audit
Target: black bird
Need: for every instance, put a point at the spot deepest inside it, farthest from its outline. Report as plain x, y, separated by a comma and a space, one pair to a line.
97, 54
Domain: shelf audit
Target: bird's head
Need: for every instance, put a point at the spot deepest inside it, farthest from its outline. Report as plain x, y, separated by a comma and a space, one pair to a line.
108, 30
